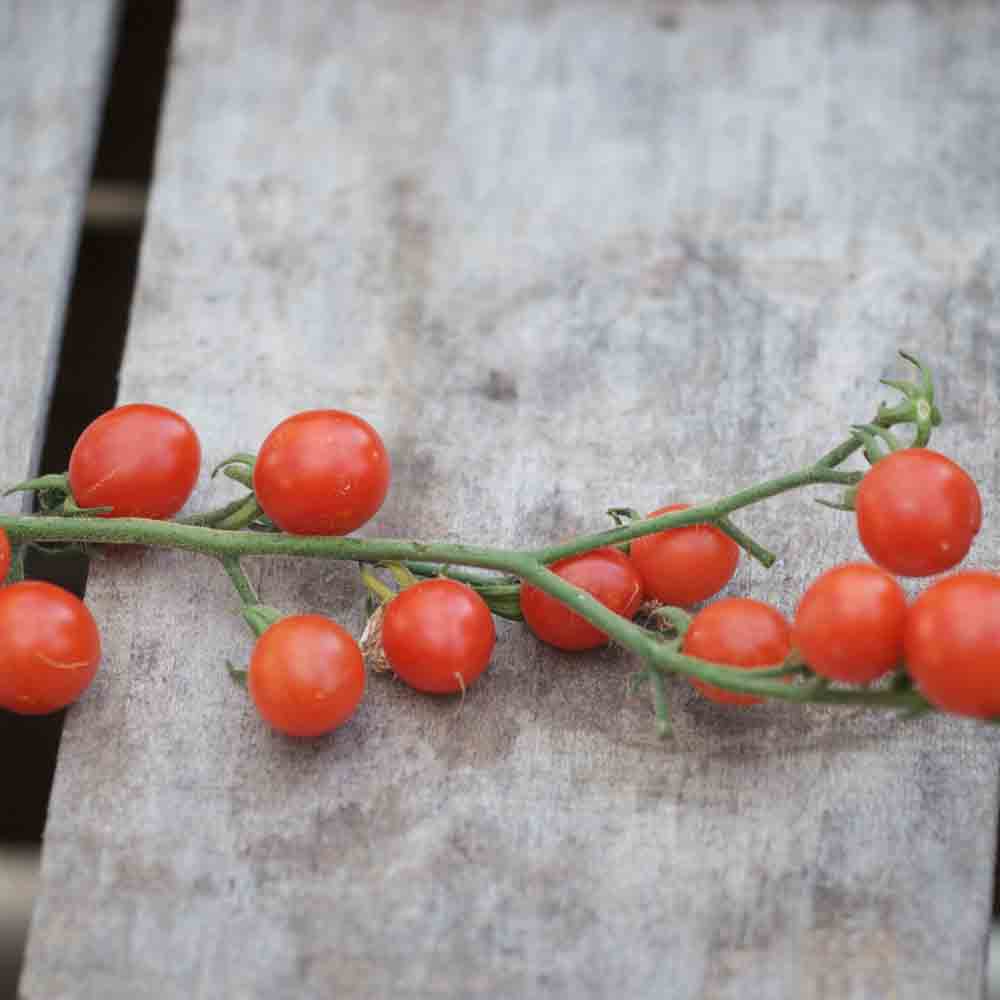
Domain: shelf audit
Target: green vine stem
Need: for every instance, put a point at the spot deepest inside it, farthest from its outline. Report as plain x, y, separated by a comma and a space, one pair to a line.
227, 543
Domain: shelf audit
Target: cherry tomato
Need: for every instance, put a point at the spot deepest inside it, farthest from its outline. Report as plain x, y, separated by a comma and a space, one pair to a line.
322, 472
741, 632
438, 636
49, 650
306, 675
607, 574
5, 555
952, 644
141, 460
683, 566
918, 512
849, 623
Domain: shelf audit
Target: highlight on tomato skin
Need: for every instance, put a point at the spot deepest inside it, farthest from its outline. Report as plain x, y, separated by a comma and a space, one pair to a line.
322, 472
850, 622
738, 632
140, 459
952, 644
306, 675
438, 636
5, 555
684, 566
918, 512
607, 574
51, 648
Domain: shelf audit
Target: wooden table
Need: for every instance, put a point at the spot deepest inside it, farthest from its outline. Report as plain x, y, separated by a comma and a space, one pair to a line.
564, 255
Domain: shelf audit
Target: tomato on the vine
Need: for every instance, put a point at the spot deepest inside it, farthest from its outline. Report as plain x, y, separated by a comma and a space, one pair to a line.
952, 644
141, 460
849, 623
321, 472
438, 635
5, 555
917, 512
738, 632
306, 675
686, 565
607, 574
50, 647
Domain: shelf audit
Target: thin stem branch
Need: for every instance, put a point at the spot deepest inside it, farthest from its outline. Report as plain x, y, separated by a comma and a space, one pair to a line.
753, 548
241, 582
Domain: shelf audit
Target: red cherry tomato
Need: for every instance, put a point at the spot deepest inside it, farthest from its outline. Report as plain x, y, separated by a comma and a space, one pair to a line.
849, 623
4, 555
607, 574
952, 644
50, 647
917, 512
740, 632
683, 566
438, 636
306, 675
141, 460
321, 472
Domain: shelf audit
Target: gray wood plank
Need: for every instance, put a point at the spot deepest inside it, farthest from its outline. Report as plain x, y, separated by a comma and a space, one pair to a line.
564, 256
54, 59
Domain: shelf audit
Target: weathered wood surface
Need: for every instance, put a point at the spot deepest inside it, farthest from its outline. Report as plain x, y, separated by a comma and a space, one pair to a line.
563, 255
53, 65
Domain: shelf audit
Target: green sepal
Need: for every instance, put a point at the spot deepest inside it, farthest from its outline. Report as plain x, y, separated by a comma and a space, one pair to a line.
70, 508
239, 458
238, 674
239, 474
260, 617
623, 515
58, 481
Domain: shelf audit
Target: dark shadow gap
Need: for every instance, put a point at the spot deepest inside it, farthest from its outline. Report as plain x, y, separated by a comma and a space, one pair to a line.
86, 381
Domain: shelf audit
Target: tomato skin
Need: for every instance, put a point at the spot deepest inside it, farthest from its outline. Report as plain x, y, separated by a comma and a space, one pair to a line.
438, 636
322, 472
917, 512
306, 675
140, 459
5, 555
952, 644
50, 649
683, 566
740, 632
607, 574
849, 623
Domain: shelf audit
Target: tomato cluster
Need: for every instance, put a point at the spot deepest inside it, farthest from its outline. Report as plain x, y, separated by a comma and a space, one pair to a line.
327, 472
917, 515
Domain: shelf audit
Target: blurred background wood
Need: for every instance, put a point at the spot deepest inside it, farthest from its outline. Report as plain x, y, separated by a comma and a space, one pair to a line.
564, 256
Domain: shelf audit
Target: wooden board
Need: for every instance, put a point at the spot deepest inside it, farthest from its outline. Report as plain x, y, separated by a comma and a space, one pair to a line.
564, 256
53, 66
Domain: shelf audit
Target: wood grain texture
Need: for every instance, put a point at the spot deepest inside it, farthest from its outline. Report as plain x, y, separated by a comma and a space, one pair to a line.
564, 256
53, 65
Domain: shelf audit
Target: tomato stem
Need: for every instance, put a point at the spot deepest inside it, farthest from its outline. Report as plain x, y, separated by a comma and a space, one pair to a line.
218, 533
241, 582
